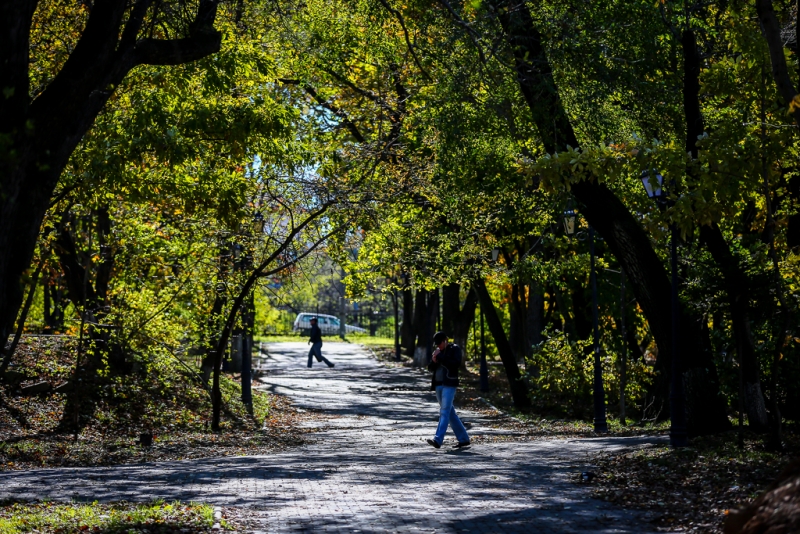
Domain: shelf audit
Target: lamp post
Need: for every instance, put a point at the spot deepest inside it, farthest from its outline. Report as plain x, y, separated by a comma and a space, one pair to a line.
654, 186
600, 424
484, 373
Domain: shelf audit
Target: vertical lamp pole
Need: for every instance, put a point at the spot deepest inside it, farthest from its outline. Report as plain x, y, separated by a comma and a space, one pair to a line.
600, 424
484, 366
623, 378
678, 437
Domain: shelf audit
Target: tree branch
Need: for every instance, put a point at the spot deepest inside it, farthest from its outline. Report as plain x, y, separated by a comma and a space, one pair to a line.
339, 112
780, 72
473, 35
402, 22
255, 275
177, 51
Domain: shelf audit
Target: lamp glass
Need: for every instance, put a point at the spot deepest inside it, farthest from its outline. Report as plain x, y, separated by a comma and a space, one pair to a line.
258, 223
569, 222
495, 253
653, 183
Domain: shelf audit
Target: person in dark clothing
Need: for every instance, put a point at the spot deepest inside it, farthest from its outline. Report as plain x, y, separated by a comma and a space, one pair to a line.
316, 344
444, 366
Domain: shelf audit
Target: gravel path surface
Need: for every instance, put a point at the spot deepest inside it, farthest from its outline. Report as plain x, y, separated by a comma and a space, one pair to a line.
368, 468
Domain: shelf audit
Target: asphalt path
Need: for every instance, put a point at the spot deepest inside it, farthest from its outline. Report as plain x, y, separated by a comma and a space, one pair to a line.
367, 468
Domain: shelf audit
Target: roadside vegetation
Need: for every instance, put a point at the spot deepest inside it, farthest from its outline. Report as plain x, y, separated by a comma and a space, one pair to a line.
115, 518
536, 179
160, 412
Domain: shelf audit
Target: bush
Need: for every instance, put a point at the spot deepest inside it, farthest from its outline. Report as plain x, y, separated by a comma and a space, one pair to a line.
561, 373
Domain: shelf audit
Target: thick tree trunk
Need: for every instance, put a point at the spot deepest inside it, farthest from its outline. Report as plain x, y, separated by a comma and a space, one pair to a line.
518, 334
735, 280
621, 232
422, 327
519, 389
424, 350
456, 320
40, 135
408, 332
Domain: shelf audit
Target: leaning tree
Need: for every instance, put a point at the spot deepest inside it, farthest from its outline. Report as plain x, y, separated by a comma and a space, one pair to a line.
75, 73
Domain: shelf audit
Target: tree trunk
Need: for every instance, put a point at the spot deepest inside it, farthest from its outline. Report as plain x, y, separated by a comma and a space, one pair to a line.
422, 327
408, 332
430, 329
456, 320
40, 135
8, 353
737, 289
771, 30
735, 280
620, 230
582, 311
535, 318
519, 389
519, 319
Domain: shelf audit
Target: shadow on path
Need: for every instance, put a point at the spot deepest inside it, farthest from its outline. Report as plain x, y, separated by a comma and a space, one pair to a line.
368, 469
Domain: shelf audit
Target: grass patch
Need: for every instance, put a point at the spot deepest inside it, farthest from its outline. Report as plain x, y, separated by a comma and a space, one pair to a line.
285, 338
374, 342
114, 518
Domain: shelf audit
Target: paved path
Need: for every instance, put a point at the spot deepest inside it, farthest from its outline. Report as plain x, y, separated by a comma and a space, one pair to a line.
368, 469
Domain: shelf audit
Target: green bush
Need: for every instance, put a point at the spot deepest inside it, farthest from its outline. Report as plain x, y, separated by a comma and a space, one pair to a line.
561, 373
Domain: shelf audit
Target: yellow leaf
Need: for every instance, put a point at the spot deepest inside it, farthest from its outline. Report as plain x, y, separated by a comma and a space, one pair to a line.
795, 103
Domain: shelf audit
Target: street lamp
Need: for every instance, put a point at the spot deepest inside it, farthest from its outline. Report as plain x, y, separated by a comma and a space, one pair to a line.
600, 424
258, 224
569, 221
653, 184
495, 253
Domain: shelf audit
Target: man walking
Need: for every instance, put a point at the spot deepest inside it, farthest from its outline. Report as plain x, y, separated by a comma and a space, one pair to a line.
316, 344
444, 366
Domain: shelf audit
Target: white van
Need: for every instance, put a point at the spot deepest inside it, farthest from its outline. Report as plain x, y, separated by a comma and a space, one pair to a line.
328, 324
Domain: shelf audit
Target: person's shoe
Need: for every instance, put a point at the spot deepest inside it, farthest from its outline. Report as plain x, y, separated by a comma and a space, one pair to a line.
432, 443
331, 365
467, 425
461, 444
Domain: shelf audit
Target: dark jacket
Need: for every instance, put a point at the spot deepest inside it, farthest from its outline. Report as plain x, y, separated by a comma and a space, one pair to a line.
450, 360
316, 334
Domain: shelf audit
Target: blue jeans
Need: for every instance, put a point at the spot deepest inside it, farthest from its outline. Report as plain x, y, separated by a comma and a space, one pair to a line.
316, 350
447, 415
